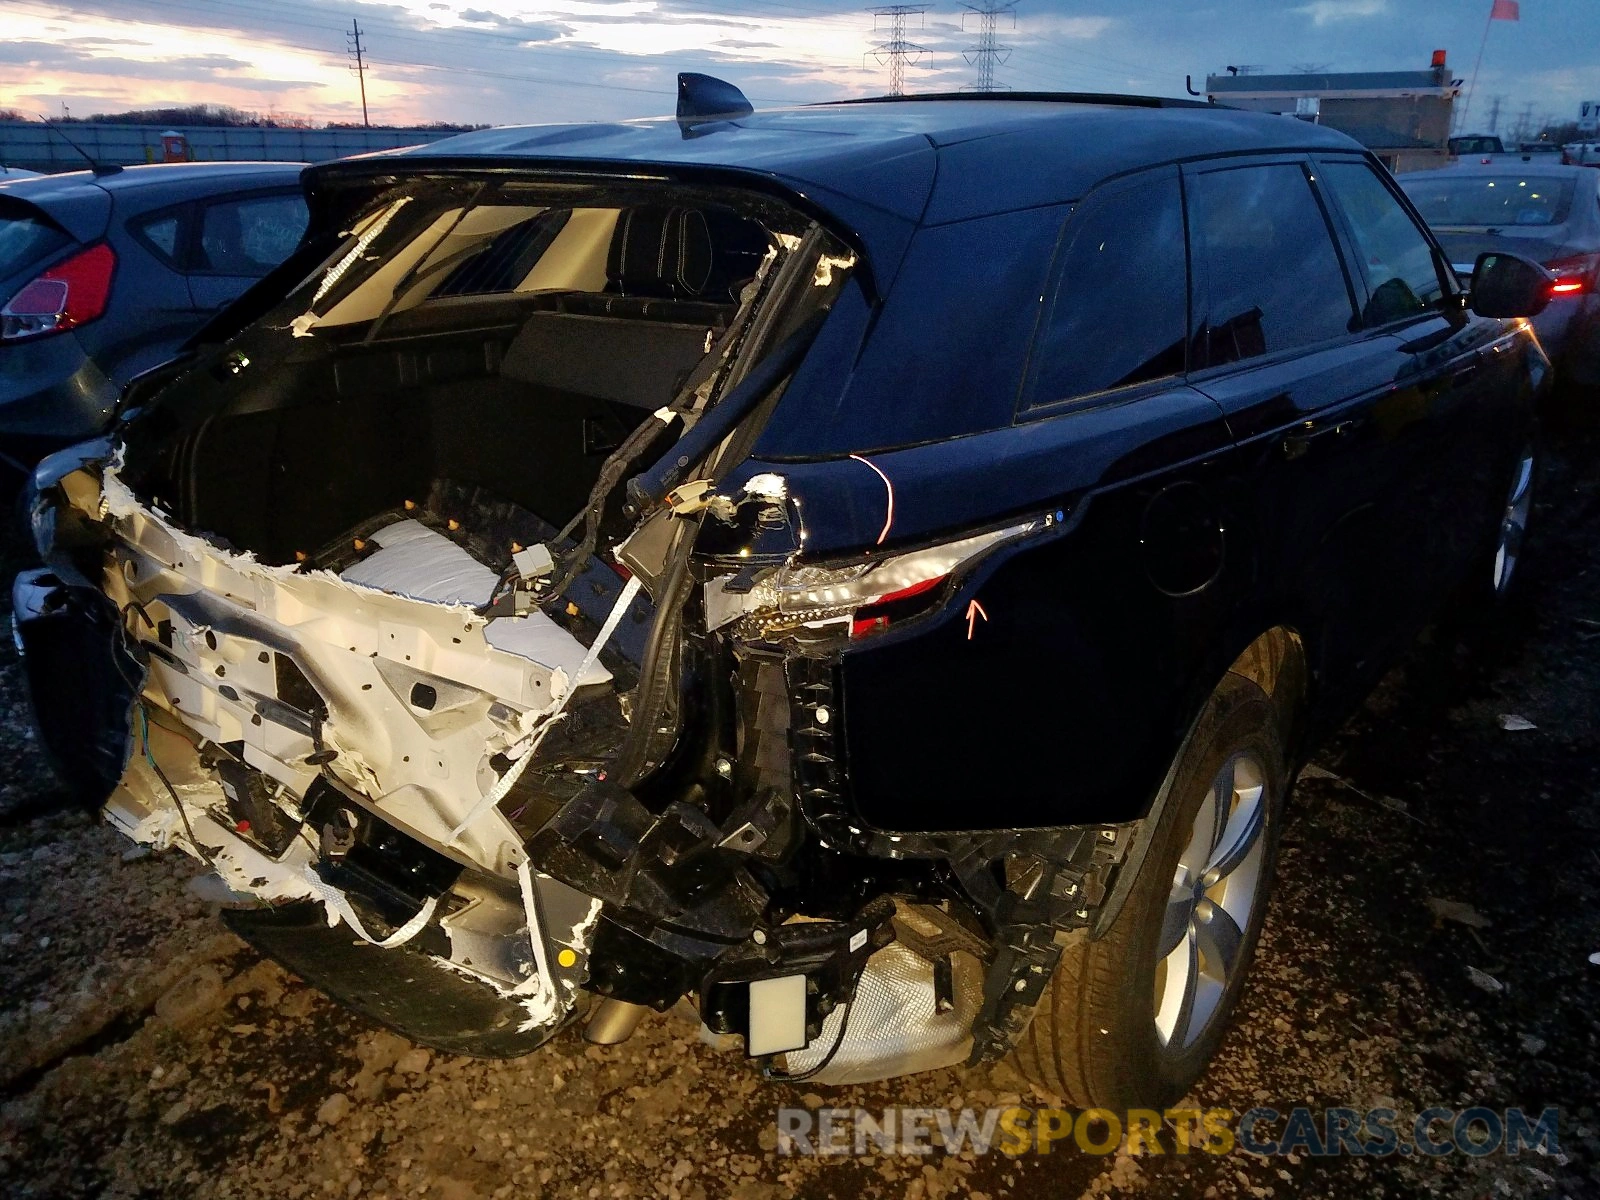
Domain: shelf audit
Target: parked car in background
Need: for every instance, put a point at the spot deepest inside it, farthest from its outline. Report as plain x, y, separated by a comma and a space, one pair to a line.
1474, 144
1546, 211
1581, 154
104, 274
872, 569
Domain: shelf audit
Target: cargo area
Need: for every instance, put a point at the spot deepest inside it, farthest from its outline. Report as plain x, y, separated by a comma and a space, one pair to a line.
427, 415
465, 348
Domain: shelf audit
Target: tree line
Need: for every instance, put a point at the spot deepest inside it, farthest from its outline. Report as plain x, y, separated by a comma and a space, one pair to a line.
220, 116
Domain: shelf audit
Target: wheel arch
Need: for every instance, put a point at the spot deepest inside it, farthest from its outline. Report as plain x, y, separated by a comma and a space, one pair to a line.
1276, 662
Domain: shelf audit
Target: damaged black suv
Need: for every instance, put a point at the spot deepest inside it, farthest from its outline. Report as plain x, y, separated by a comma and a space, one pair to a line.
871, 569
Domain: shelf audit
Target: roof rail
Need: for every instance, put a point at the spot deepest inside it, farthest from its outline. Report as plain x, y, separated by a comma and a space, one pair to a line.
1048, 97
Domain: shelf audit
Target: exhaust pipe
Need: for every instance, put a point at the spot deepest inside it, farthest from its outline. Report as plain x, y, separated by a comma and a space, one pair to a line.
613, 1022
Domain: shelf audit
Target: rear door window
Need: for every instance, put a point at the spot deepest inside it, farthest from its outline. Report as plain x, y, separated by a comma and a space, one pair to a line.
26, 238
1119, 304
249, 237
1270, 276
1402, 271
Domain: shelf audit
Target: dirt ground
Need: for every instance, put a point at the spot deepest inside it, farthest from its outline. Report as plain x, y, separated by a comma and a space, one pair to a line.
144, 1052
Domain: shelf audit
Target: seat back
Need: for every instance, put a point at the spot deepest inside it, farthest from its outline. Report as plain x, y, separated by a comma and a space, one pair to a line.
673, 253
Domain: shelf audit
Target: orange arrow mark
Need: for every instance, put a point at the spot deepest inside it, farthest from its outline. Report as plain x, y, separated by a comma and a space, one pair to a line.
974, 611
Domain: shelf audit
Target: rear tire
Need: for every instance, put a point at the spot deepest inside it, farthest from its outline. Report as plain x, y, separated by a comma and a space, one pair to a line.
1512, 535
1132, 1018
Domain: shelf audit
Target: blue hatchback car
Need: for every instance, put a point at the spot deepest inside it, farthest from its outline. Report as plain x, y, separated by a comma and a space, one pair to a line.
104, 274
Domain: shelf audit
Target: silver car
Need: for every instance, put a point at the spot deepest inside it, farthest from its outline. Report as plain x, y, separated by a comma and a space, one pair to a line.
1550, 213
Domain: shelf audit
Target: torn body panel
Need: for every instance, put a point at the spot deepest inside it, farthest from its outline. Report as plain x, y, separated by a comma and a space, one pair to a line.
292, 666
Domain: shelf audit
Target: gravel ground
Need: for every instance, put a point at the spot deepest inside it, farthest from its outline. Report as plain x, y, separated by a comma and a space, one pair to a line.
144, 1052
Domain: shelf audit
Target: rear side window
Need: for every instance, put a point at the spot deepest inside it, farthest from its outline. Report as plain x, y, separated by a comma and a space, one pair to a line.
946, 352
250, 237
1402, 273
1119, 312
163, 234
26, 238
1272, 277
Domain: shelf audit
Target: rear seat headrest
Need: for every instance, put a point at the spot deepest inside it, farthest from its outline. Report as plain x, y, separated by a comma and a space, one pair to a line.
660, 251
682, 253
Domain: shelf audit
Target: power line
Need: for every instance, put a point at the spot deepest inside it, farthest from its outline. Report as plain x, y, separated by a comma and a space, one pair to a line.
521, 77
433, 35
360, 68
897, 50
988, 53
1059, 70
208, 15
1054, 61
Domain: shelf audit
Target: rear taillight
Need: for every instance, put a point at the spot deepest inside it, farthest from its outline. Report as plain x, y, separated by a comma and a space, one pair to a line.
69, 294
1575, 275
820, 603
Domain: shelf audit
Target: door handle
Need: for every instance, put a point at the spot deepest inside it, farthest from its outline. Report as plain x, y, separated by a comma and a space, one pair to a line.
1466, 371
1295, 445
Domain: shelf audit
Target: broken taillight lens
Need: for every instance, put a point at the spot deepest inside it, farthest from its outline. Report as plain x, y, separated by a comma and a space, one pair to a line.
899, 605
69, 294
855, 600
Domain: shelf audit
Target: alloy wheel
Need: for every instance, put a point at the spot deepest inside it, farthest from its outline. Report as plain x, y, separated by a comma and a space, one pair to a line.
1514, 524
1212, 904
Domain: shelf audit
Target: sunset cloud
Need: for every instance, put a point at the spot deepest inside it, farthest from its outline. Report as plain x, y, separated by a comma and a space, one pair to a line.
563, 60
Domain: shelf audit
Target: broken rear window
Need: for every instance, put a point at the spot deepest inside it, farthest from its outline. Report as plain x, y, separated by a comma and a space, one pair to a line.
473, 352
649, 260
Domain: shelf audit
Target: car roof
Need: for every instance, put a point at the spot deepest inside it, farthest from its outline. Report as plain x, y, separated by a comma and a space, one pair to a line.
990, 154
81, 201
154, 175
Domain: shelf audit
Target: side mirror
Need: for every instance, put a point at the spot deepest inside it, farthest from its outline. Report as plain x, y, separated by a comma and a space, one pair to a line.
1508, 285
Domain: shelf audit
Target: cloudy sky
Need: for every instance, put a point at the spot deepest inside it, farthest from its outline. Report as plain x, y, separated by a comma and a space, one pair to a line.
500, 61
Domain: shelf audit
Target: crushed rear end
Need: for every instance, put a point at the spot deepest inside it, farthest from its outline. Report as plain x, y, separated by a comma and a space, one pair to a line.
446, 638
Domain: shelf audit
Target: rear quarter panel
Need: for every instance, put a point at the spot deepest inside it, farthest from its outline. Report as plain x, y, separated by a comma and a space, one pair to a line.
1063, 702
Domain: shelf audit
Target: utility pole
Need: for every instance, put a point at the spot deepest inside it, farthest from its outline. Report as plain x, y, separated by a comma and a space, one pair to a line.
1494, 113
988, 54
353, 38
897, 50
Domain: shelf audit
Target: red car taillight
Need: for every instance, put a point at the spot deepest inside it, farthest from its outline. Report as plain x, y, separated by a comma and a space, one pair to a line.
69, 294
1574, 275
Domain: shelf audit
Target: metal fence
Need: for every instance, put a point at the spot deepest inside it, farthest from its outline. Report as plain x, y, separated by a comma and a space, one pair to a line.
34, 146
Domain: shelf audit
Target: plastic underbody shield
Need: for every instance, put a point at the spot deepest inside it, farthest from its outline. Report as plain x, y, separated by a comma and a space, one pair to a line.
404, 989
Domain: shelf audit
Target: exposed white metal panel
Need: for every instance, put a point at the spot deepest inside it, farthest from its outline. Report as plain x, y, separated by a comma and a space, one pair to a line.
362, 648
423, 564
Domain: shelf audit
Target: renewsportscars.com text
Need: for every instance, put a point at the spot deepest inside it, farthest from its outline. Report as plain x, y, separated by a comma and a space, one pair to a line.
1017, 1130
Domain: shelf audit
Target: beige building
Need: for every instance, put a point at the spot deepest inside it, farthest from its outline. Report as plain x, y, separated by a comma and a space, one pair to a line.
1401, 116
